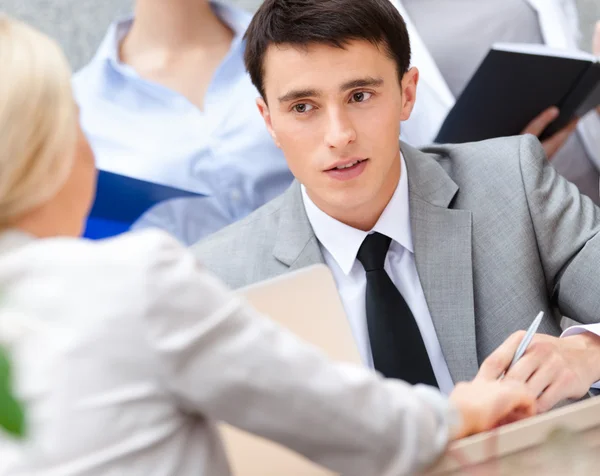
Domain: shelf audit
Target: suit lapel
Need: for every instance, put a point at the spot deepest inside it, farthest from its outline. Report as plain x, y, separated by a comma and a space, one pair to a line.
296, 244
443, 255
442, 241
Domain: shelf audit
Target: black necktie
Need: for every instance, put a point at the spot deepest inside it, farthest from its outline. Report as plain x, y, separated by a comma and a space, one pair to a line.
396, 342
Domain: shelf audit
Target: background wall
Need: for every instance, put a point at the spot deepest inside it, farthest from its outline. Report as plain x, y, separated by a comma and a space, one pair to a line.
79, 25
589, 13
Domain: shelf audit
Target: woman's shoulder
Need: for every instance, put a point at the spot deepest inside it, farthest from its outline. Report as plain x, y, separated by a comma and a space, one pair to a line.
106, 279
128, 255
144, 245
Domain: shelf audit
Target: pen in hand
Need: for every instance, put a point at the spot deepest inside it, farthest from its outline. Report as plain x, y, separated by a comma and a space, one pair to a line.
526, 341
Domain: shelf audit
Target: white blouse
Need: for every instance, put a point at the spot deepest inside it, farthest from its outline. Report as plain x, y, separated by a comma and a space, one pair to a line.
127, 352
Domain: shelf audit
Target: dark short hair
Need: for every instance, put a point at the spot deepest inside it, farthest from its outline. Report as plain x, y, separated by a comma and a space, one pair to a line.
331, 22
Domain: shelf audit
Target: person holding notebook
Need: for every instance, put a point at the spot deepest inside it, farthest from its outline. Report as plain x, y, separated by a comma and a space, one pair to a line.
127, 352
441, 256
448, 43
166, 99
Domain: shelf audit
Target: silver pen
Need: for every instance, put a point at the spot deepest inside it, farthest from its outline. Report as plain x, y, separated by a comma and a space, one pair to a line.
526, 341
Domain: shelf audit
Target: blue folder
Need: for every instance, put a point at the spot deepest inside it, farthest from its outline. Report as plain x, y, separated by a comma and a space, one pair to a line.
121, 200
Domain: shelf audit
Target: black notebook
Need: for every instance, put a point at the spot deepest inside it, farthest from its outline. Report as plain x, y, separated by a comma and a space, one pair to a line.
514, 84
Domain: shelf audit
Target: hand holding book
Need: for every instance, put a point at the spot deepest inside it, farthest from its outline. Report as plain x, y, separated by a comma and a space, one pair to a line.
557, 140
515, 83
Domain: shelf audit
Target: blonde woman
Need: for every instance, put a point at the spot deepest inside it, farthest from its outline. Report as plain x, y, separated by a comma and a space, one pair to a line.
126, 351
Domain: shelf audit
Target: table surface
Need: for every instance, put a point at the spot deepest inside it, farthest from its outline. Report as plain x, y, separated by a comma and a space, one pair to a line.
563, 453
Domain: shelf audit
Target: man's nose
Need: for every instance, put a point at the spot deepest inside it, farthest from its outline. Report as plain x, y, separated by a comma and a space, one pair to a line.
340, 130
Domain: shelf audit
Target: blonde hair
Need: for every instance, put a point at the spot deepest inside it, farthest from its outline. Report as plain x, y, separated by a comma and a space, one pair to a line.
38, 119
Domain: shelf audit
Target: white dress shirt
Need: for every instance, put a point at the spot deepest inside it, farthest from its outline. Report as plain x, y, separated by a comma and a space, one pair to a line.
340, 243
126, 353
144, 130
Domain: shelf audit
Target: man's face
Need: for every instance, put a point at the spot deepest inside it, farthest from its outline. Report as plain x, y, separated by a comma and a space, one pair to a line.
336, 115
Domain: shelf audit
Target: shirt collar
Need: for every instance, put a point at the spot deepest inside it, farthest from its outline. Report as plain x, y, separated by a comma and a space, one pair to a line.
235, 18
343, 241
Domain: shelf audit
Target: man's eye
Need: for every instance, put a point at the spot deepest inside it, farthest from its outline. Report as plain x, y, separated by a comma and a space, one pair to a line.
361, 96
302, 108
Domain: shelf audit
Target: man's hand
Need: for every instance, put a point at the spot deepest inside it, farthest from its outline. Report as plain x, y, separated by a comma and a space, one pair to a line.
486, 405
553, 369
539, 124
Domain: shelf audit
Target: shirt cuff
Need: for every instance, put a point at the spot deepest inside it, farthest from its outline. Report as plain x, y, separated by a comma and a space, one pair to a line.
575, 330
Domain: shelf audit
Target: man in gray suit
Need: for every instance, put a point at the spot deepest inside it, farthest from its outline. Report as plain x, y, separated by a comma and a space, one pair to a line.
439, 255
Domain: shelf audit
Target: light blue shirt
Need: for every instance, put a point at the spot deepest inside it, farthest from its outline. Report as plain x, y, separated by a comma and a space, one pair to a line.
144, 130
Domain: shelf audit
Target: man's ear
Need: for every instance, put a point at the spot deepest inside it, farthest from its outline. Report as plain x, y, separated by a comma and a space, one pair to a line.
263, 108
409, 92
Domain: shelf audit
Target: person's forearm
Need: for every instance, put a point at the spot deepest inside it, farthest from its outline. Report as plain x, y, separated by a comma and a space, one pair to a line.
231, 364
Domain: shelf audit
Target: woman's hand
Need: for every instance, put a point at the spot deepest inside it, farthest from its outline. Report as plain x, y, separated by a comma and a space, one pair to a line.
485, 405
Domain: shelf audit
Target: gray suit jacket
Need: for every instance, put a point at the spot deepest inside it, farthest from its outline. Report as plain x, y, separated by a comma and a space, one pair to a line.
498, 236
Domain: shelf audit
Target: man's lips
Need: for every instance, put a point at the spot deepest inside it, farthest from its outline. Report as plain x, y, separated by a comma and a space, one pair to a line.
349, 170
346, 164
